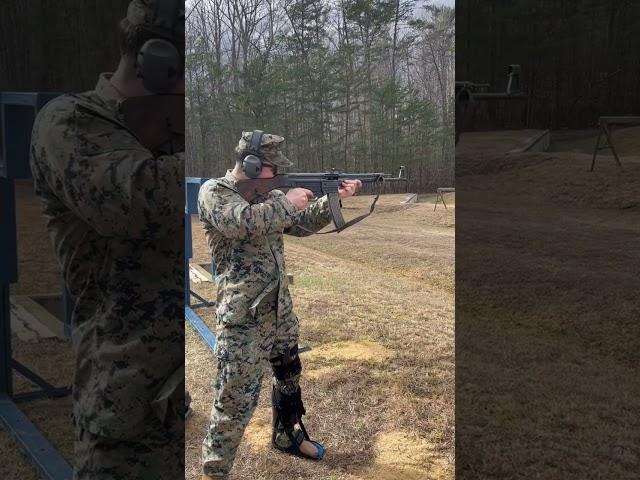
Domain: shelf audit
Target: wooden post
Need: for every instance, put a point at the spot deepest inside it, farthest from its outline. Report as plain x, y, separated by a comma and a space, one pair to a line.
595, 152
615, 154
604, 123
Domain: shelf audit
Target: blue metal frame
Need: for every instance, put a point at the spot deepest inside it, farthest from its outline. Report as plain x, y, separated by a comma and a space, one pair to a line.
192, 187
200, 327
43, 456
17, 113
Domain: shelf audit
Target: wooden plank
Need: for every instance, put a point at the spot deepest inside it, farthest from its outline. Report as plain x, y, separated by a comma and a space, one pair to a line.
37, 306
536, 141
52, 302
206, 266
31, 322
200, 273
24, 326
193, 278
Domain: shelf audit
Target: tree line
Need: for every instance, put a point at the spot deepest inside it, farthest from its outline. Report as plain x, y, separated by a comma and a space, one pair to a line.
59, 46
579, 59
357, 85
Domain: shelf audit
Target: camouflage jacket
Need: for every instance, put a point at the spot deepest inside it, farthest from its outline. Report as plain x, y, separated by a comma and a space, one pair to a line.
246, 242
114, 213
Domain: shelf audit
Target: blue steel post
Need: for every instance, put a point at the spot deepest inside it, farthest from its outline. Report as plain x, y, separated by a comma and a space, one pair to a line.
187, 256
17, 112
8, 275
192, 187
6, 372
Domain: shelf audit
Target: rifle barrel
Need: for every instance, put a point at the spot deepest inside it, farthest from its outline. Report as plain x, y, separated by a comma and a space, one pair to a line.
330, 176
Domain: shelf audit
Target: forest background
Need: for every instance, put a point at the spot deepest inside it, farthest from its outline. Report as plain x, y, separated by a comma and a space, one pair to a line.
357, 85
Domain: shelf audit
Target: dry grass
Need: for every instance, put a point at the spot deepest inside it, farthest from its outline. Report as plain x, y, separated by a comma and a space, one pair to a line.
547, 315
376, 305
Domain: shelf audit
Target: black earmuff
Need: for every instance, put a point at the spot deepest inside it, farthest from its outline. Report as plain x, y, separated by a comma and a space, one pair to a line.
252, 163
158, 65
158, 62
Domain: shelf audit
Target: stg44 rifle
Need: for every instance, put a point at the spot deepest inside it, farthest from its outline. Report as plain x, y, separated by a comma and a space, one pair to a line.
320, 184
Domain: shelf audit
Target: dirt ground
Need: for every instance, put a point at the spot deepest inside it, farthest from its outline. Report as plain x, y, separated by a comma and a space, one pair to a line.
375, 303
546, 312
38, 272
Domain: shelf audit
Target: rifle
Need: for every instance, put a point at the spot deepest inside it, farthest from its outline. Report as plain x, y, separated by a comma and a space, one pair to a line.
319, 183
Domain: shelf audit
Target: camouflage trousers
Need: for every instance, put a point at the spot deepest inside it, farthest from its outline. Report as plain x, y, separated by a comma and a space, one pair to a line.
243, 355
157, 456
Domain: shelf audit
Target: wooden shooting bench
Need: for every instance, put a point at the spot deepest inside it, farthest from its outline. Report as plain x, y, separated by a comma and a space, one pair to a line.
440, 196
606, 125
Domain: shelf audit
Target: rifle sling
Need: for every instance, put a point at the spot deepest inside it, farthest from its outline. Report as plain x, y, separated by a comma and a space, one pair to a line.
349, 223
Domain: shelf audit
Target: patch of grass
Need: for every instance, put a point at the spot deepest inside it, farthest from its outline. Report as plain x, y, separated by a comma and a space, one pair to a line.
310, 281
547, 257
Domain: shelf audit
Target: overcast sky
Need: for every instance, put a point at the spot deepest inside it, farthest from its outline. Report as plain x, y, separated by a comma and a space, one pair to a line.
449, 3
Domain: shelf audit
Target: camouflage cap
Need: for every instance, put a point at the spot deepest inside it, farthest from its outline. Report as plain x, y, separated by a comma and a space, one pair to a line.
271, 147
166, 18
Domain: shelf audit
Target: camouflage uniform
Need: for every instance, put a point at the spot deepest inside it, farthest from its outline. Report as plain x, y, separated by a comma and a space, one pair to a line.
114, 213
255, 318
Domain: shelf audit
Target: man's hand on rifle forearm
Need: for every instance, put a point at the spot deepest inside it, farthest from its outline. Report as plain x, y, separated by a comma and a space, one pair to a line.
349, 188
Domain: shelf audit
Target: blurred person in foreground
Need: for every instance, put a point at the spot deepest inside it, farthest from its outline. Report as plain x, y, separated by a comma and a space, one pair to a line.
108, 165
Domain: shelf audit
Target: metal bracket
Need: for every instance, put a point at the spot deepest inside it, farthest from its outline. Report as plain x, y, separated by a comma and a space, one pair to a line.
46, 389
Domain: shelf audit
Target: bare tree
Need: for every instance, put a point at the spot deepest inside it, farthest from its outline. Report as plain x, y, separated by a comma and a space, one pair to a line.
348, 83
